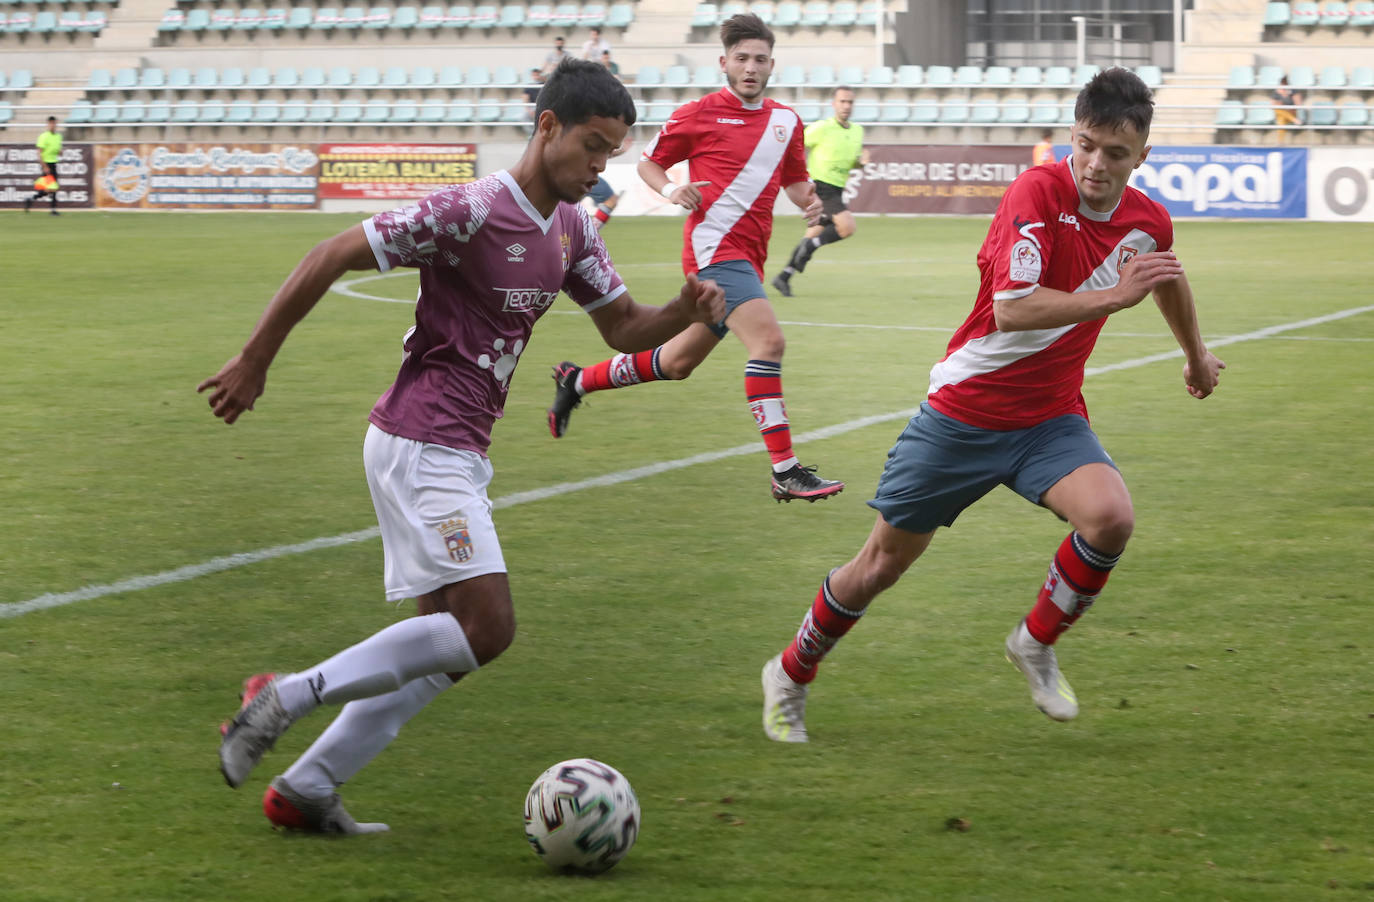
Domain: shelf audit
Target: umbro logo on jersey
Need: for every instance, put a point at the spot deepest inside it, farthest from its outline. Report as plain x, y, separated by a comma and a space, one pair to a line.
725, 121
516, 252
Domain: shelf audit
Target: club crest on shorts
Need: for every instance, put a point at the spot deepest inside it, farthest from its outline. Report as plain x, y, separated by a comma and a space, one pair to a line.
1124, 257
457, 539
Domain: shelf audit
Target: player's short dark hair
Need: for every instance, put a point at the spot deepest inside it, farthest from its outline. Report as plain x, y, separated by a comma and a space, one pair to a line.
580, 89
52, 118
744, 27
1113, 98
839, 88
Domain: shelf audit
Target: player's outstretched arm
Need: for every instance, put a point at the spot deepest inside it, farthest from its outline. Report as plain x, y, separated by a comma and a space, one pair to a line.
1049, 308
241, 381
628, 326
687, 196
1201, 369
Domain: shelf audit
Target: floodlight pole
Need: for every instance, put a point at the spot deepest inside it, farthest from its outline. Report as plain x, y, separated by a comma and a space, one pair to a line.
1080, 26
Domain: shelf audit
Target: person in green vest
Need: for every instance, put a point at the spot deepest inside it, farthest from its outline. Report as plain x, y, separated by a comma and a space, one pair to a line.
834, 146
49, 152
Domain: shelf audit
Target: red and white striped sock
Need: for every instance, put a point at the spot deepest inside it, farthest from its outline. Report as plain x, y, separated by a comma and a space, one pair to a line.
821, 628
1077, 575
620, 371
763, 388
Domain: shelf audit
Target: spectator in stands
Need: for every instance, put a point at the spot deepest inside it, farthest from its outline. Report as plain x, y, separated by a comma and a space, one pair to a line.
595, 46
1286, 104
555, 56
610, 63
1043, 152
536, 84
49, 152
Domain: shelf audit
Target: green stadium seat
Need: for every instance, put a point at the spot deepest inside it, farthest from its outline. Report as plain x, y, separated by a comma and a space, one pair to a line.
984, 112
351, 19
1231, 114
792, 76
968, 75
1353, 112
300, 18
505, 76
210, 111
267, 111
207, 77
511, 16
1332, 77
21, 80
80, 113
368, 77
422, 77
259, 77
152, 78
911, 76
1058, 77
99, 80
248, 19
1268, 76
1153, 76
239, 111
232, 78
185, 111
431, 17
450, 76
821, 76
678, 76
787, 14
378, 17
458, 16
126, 79
1302, 77
704, 16
1276, 14
179, 78
1305, 13
44, 22
348, 111
197, 20
430, 111
293, 111
954, 112
939, 76
312, 77
19, 23
997, 76
159, 111
881, 76
483, 17
815, 14
325, 18
132, 113
1015, 112
925, 112
404, 111
850, 75
1259, 115
1322, 114
1241, 77
406, 17
1028, 76
320, 111
844, 14
1362, 13
222, 19
285, 77
1334, 14
376, 111
894, 112
395, 77
619, 15
488, 111
273, 19
172, 20
68, 20
593, 15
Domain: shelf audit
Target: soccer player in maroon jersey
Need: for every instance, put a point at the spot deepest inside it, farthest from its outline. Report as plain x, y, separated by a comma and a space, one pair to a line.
1070, 244
492, 256
740, 149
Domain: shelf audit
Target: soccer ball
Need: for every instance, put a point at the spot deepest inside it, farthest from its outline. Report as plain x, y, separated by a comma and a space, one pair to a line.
581, 815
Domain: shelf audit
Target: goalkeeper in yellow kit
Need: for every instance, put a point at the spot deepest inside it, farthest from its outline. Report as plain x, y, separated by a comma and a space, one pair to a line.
834, 146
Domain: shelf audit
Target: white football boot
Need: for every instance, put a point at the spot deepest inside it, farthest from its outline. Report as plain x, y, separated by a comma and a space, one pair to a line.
1051, 693
784, 704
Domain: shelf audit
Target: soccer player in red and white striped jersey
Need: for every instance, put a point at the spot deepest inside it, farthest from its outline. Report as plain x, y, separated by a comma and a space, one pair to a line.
741, 148
1070, 244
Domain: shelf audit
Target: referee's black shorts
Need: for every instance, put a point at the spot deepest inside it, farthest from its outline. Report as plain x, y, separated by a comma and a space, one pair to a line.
832, 198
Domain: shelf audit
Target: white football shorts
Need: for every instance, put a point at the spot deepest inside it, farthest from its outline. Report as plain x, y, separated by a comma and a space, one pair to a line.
433, 509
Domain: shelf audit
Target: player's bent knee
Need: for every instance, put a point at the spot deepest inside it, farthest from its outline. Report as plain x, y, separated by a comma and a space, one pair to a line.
1109, 529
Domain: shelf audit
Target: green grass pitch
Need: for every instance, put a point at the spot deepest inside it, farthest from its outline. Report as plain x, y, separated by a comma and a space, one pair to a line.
1223, 750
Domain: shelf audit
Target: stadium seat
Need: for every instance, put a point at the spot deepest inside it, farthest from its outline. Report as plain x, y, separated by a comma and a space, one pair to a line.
68, 20
259, 77
21, 80
488, 111
954, 112
458, 16
378, 17
619, 15
1153, 76
376, 111
510, 16
1231, 114
406, 17
815, 14
593, 15
925, 111
997, 76
1322, 115
939, 76
894, 112
450, 76
80, 113
1362, 77
1334, 14
312, 77
704, 16
792, 76
984, 112
325, 18
787, 14
867, 112
538, 15
20, 22
881, 76
222, 19
850, 75
44, 21
273, 19
1044, 113
1058, 77
395, 77
1362, 13
1276, 13
564, 16
1304, 12
1259, 115
404, 111
730, 9
133, 113
367, 77
707, 77
293, 111
515, 112
479, 75
151, 78
207, 77
431, 17
320, 111
821, 76
431, 111
1268, 76
1084, 73
422, 77
285, 77
968, 75
678, 76
1332, 77
844, 14
159, 111
185, 111
505, 76
459, 112
1353, 112
94, 23
210, 111
300, 18
248, 19
351, 18
125, 79
348, 111
179, 78
267, 111
1016, 112
239, 111
868, 14
910, 76
99, 80
1302, 77
764, 10
172, 20
231, 78
649, 76
810, 112
1028, 76
1241, 77
340, 77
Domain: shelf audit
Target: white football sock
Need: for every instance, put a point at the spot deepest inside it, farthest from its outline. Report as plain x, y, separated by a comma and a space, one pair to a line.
381, 663
360, 732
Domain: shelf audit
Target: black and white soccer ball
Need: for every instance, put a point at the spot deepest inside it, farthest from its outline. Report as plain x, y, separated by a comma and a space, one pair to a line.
581, 815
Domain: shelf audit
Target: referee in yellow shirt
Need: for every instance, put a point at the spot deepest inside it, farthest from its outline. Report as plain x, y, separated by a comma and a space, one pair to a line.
49, 152
834, 147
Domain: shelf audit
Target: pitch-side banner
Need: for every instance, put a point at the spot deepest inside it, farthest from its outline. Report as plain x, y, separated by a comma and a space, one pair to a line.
393, 171
19, 168
915, 178
206, 176
1340, 184
1229, 182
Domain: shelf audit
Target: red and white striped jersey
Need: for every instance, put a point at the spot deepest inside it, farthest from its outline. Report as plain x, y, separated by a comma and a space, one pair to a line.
1042, 234
747, 151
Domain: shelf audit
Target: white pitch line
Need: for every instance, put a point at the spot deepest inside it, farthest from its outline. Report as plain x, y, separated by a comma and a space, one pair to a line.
233, 561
